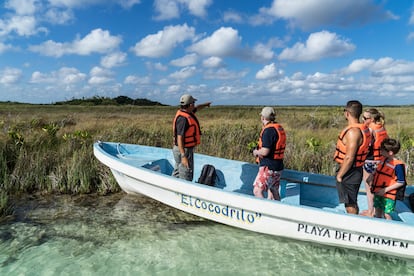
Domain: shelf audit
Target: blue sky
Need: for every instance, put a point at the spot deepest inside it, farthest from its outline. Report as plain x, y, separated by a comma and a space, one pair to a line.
244, 52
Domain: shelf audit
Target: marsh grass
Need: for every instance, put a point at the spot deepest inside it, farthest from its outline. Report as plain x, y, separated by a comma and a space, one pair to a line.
48, 149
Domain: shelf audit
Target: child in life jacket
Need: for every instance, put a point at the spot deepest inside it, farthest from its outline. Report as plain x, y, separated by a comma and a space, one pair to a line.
388, 178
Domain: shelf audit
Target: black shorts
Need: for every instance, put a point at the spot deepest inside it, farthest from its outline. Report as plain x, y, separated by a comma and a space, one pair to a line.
349, 187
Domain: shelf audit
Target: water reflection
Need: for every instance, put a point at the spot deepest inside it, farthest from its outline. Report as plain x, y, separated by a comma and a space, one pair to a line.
131, 235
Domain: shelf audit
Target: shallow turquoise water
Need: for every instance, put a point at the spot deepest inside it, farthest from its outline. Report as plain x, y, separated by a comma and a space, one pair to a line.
134, 235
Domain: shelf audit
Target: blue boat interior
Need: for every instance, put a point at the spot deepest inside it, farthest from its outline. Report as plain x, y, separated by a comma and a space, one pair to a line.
296, 188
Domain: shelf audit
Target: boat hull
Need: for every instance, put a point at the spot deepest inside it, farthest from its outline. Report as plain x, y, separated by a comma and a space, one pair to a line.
238, 208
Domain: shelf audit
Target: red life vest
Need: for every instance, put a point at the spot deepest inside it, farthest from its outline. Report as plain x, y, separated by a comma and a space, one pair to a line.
279, 150
363, 149
385, 176
379, 134
192, 135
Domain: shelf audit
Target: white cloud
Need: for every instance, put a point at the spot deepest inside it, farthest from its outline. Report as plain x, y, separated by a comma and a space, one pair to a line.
358, 65
170, 9
85, 3
213, 62
223, 42
383, 63
5, 47
175, 88
197, 8
100, 75
156, 66
390, 67
186, 60
70, 75
65, 75
268, 72
57, 16
24, 25
262, 52
307, 14
22, 7
97, 41
232, 16
113, 60
160, 67
319, 45
166, 9
224, 74
184, 73
162, 43
137, 80
72, 3
128, 3
10, 76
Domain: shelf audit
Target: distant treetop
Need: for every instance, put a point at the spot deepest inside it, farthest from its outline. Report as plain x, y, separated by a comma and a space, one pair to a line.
120, 100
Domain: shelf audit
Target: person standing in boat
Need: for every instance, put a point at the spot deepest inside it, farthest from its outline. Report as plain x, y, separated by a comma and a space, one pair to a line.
269, 155
351, 151
375, 121
187, 134
387, 179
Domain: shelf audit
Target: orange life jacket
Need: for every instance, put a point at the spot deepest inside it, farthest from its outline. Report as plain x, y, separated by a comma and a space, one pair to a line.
279, 150
362, 151
385, 176
192, 135
379, 134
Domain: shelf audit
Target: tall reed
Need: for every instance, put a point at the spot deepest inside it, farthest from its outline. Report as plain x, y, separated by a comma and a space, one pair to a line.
48, 149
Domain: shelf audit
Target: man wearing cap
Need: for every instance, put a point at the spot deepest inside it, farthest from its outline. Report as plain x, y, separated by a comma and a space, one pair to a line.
186, 130
269, 155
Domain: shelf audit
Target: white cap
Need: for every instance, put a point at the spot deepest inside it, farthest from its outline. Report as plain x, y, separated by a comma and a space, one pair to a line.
268, 113
187, 99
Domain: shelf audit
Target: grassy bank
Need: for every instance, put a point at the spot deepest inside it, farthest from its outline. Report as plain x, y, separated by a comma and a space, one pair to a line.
48, 149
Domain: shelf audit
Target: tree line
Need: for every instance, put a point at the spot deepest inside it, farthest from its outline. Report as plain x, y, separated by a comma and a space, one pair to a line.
120, 100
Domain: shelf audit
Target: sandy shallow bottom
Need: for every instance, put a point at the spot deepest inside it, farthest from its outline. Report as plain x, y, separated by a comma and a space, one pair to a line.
134, 235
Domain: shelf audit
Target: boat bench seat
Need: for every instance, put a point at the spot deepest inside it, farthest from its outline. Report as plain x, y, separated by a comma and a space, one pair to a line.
407, 217
290, 193
403, 212
161, 166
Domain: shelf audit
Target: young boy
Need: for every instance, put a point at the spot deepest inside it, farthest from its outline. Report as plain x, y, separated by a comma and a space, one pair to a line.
387, 179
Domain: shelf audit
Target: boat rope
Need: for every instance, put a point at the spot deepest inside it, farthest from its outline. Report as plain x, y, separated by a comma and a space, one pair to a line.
127, 156
122, 155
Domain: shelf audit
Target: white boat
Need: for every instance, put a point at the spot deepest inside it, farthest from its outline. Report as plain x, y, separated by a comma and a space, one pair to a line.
308, 211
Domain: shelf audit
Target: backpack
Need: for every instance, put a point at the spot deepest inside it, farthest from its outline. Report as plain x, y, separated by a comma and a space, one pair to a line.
208, 175
401, 190
400, 193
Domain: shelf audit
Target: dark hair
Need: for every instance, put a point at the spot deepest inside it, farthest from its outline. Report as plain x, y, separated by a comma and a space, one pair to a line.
390, 144
354, 108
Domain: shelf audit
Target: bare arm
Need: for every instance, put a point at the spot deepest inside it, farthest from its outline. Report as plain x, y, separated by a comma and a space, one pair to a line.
201, 106
394, 186
261, 152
